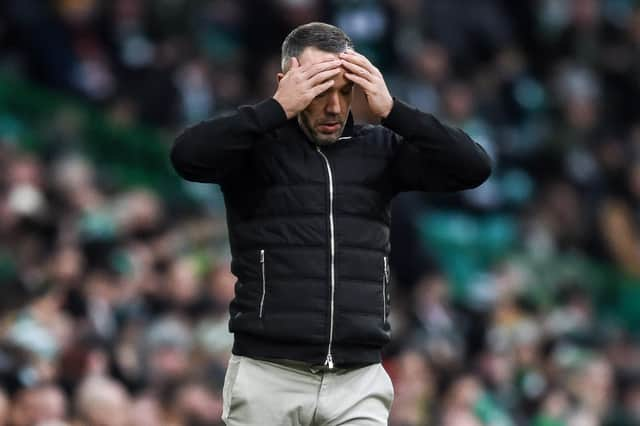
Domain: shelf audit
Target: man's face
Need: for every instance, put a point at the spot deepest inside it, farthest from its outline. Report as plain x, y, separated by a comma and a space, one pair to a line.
325, 117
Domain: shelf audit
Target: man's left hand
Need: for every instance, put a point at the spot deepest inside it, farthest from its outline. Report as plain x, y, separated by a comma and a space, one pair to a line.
369, 78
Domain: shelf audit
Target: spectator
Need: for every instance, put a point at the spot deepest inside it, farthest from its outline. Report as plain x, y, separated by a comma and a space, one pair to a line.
43, 403
102, 401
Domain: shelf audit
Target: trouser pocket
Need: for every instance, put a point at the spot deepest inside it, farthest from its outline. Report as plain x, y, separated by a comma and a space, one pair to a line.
230, 378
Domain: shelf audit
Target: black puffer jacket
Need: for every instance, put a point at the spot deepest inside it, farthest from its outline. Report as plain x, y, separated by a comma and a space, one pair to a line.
309, 225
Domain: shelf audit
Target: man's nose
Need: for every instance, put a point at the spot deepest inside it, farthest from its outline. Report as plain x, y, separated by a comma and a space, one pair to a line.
333, 103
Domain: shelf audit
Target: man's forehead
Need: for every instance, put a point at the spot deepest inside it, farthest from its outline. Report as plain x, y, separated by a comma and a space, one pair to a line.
313, 55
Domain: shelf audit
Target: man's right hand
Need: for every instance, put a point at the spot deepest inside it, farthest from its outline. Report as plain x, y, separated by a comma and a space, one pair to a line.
301, 84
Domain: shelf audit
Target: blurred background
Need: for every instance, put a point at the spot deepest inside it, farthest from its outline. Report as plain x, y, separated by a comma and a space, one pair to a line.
517, 303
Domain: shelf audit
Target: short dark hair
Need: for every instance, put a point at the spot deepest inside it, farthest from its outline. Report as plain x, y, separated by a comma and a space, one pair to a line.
325, 37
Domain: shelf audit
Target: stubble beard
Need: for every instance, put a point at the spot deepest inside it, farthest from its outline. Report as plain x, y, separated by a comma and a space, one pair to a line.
315, 137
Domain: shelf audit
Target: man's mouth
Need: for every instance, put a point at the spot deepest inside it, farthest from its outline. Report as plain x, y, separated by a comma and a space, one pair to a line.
329, 127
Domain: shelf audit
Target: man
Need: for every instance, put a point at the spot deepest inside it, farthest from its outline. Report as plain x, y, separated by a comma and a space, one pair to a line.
16, 290
308, 198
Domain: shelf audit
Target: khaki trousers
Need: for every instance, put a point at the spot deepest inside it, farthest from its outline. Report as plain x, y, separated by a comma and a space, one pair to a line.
265, 393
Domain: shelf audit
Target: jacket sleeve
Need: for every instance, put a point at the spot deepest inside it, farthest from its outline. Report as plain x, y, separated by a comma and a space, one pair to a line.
211, 150
431, 156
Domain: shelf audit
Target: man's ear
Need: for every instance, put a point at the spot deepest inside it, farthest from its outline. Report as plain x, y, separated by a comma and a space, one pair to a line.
279, 75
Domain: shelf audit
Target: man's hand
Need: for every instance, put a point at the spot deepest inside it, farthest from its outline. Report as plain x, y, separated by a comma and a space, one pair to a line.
301, 84
369, 78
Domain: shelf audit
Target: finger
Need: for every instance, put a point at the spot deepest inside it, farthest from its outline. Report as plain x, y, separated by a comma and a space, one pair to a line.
356, 58
357, 69
357, 55
314, 68
366, 85
316, 90
324, 75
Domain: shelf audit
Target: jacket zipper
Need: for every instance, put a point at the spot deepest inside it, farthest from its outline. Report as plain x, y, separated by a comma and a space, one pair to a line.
329, 361
385, 281
264, 282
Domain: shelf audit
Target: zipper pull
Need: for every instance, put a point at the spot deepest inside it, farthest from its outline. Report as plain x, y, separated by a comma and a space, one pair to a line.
261, 256
329, 361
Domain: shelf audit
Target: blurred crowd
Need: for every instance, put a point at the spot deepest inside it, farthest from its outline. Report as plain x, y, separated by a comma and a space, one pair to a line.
133, 327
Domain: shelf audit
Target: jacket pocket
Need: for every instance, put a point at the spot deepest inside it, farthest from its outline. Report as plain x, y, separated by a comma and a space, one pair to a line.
385, 287
263, 279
